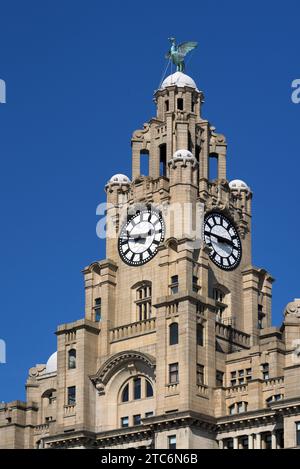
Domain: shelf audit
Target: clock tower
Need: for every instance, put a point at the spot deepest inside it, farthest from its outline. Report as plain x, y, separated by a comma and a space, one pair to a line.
176, 349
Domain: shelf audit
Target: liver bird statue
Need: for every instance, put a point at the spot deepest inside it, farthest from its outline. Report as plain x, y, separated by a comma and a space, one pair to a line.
178, 52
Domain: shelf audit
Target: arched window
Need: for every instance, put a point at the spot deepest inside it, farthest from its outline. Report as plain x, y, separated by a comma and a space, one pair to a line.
213, 166
173, 333
49, 396
149, 389
144, 162
125, 393
72, 359
136, 388
238, 408
274, 398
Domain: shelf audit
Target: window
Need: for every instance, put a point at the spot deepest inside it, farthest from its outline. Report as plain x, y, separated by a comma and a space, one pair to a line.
200, 374
137, 419
244, 442
200, 334
173, 333
260, 317
265, 371
124, 422
71, 395
173, 373
274, 398
219, 378
163, 160
149, 414
241, 376
232, 409
137, 388
268, 440
248, 374
218, 295
195, 284
174, 284
125, 394
72, 359
149, 389
144, 302
166, 105
229, 443
172, 442
97, 309
298, 433
219, 313
180, 104
238, 408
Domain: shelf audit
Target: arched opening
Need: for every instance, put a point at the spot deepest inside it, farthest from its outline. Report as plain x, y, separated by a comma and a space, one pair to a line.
125, 393
144, 163
130, 412
213, 166
173, 333
163, 159
180, 104
72, 359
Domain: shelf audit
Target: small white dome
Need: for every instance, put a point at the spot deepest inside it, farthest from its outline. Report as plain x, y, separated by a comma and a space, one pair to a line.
51, 365
178, 79
180, 154
119, 179
238, 185
183, 155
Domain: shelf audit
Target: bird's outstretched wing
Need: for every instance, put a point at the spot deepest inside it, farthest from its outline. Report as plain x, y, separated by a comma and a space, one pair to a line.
186, 47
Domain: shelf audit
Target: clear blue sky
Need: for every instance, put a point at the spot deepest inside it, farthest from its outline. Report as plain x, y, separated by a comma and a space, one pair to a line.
80, 77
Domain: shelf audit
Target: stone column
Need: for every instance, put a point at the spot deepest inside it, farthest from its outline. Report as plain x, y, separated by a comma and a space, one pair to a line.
273, 440
221, 444
136, 157
258, 441
235, 443
250, 442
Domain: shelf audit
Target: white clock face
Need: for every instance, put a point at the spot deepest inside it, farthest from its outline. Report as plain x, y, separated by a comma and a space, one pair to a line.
140, 237
223, 239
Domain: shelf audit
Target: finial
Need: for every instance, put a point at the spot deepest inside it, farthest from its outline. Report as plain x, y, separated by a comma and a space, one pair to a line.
178, 52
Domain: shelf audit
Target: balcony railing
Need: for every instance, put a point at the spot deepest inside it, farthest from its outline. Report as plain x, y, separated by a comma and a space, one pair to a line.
69, 410
229, 333
132, 330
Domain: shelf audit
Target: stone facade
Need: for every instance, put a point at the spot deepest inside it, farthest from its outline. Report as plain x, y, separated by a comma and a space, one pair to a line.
175, 352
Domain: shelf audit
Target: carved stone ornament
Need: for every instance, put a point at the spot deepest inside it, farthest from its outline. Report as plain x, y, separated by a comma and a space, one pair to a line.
293, 309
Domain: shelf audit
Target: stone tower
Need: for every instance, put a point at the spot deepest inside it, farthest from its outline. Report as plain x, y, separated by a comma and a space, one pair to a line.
176, 348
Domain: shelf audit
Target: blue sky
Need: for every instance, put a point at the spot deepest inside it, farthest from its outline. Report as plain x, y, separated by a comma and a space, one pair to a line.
80, 78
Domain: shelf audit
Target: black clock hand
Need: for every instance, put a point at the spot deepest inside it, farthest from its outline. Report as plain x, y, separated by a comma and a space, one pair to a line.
221, 239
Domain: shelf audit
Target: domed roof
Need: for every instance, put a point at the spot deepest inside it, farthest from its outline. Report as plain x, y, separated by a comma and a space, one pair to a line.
51, 365
238, 184
119, 179
178, 79
183, 155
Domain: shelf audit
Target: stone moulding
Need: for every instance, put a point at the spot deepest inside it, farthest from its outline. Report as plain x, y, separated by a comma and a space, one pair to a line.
107, 370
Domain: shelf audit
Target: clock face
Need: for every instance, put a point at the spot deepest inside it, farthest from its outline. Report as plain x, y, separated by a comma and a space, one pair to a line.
140, 237
223, 239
